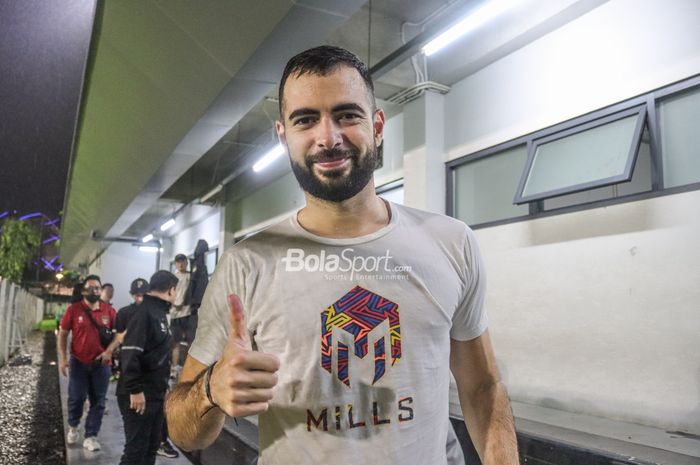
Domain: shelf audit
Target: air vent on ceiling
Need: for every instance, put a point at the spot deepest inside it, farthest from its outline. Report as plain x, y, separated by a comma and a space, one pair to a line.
415, 91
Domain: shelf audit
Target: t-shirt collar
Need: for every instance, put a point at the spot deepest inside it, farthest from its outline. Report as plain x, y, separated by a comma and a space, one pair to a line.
393, 221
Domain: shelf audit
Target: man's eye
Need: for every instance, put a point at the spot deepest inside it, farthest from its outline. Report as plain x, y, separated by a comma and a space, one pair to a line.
303, 121
347, 117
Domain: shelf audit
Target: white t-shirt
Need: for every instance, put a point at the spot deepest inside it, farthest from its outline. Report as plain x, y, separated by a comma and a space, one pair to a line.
180, 310
362, 328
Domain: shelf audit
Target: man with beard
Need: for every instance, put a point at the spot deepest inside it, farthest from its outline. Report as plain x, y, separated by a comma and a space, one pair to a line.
348, 273
88, 366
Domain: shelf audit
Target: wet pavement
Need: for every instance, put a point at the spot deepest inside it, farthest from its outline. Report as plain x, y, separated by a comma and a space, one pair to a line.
30, 417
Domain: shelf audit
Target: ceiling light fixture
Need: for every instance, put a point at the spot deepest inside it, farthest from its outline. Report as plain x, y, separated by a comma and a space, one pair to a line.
147, 238
149, 248
471, 22
268, 158
168, 224
211, 193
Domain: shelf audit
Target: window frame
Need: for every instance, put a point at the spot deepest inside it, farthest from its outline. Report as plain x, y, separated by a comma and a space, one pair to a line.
391, 185
583, 126
649, 100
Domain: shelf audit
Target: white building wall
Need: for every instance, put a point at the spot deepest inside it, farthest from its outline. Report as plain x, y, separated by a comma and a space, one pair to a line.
621, 49
194, 222
120, 264
596, 311
206, 226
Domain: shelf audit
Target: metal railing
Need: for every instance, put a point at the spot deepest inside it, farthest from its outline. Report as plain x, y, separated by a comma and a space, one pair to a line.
20, 311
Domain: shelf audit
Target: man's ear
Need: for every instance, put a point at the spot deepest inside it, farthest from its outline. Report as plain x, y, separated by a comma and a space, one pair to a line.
378, 123
279, 128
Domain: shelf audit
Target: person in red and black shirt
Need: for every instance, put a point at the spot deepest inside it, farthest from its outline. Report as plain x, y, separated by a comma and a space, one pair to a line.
88, 366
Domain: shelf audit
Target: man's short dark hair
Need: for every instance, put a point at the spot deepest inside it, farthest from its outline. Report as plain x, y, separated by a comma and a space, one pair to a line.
322, 61
162, 280
107, 285
92, 277
181, 257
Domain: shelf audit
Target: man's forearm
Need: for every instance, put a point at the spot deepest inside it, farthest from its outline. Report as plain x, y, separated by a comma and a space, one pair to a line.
192, 422
118, 339
490, 422
62, 343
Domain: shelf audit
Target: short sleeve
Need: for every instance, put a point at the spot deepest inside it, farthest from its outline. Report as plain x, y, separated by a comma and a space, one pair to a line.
120, 324
470, 319
214, 320
67, 320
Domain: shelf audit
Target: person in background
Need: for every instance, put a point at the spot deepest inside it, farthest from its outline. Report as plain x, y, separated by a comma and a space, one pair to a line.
107, 293
183, 324
88, 366
145, 370
138, 289
199, 277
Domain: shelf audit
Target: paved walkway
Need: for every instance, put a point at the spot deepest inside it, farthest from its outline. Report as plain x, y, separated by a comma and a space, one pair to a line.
111, 435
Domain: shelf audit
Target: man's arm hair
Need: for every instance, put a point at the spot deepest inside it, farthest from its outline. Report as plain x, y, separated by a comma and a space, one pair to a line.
484, 401
192, 421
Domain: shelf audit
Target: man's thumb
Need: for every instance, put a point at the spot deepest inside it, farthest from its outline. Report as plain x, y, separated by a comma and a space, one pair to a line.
239, 332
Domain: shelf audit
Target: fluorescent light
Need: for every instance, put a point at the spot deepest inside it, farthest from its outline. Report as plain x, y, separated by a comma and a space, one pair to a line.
211, 193
148, 248
167, 225
471, 22
268, 158
147, 238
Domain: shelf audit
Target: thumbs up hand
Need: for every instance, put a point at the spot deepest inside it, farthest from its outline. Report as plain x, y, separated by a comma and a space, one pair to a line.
242, 380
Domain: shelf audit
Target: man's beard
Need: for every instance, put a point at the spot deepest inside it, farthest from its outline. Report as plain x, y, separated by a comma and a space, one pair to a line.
336, 185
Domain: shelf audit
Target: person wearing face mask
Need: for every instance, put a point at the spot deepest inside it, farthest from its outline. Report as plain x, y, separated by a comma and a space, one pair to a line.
145, 362
87, 367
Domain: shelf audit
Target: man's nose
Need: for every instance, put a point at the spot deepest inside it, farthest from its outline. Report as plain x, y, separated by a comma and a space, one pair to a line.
328, 134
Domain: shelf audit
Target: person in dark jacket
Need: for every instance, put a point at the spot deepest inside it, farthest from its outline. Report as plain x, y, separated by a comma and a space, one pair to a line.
145, 364
139, 287
199, 276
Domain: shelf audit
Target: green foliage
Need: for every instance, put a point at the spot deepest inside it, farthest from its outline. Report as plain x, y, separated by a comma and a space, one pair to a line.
18, 242
70, 277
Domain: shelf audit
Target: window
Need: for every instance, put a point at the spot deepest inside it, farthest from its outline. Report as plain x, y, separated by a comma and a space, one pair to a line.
598, 153
679, 121
641, 148
484, 188
640, 182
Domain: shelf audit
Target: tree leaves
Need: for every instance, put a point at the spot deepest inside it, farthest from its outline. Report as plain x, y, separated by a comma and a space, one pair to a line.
18, 242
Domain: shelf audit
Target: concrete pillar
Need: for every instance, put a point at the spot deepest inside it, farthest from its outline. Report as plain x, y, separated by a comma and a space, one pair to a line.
424, 153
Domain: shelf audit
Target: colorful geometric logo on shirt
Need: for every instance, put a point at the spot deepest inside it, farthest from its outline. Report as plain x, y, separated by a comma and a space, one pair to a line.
358, 312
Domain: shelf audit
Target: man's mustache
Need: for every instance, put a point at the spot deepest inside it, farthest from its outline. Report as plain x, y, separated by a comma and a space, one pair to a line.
330, 155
